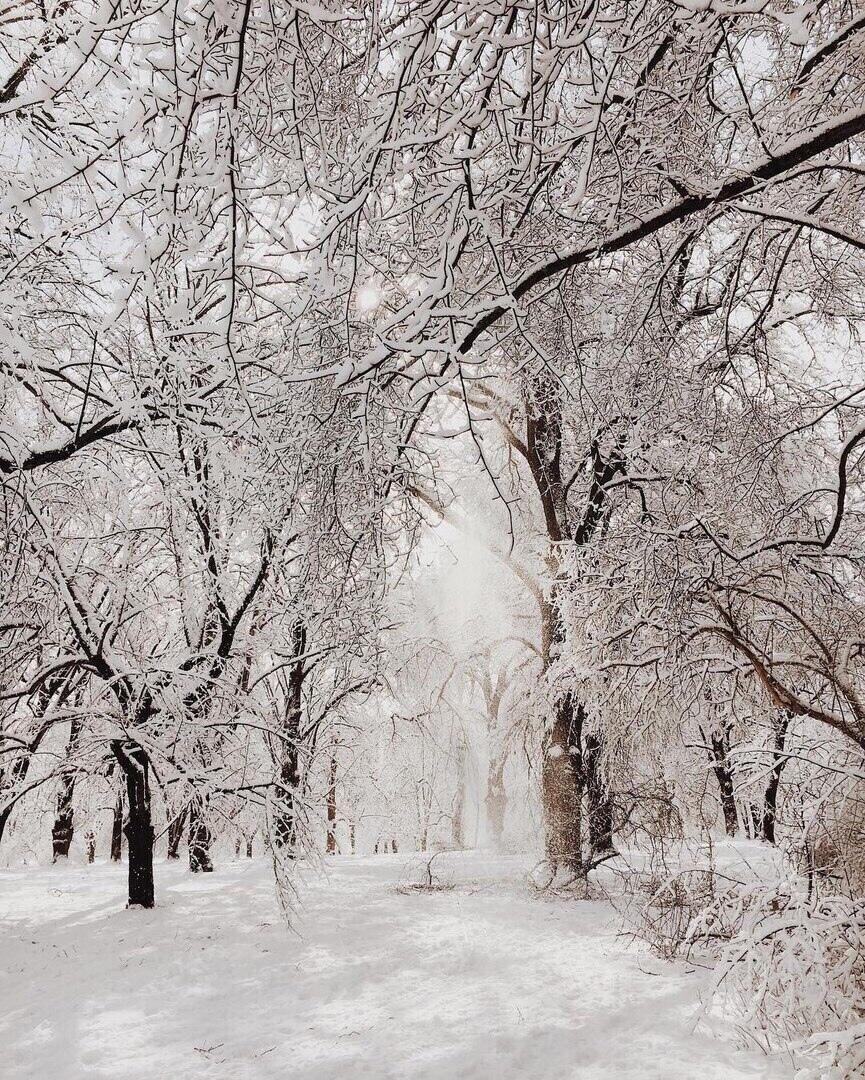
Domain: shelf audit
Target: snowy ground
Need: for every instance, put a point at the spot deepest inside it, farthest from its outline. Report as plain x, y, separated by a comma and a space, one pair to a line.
483, 981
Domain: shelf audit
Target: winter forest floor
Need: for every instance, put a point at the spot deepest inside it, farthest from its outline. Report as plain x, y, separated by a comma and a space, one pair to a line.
485, 980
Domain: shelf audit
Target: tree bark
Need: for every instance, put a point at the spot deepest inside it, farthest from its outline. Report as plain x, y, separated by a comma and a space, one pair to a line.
599, 802
139, 827
496, 799
562, 764
719, 759
563, 776
175, 832
54, 691
117, 830
64, 827
285, 832
331, 806
770, 798
562, 788
459, 807
200, 837
17, 775
286, 824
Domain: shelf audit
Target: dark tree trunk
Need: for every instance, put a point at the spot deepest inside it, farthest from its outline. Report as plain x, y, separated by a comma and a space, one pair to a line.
17, 775
5, 814
175, 832
90, 838
286, 822
719, 758
770, 798
63, 829
598, 799
117, 830
351, 838
561, 781
249, 847
285, 830
331, 806
139, 827
200, 837
55, 690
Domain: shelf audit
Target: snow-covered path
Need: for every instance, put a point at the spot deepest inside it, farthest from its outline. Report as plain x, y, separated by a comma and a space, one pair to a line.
483, 981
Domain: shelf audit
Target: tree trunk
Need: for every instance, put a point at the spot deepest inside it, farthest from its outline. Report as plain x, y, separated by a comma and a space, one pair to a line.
285, 832
458, 815
496, 799
249, 847
562, 775
719, 758
351, 838
331, 806
561, 765
139, 827
770, 798
63, 829
17, 775
200, 837
90, 838
54, 691
599, 802
175, 832
286, 823
561, 782
117, 830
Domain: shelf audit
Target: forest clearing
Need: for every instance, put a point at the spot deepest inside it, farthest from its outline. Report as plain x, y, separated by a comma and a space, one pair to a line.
376, 980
